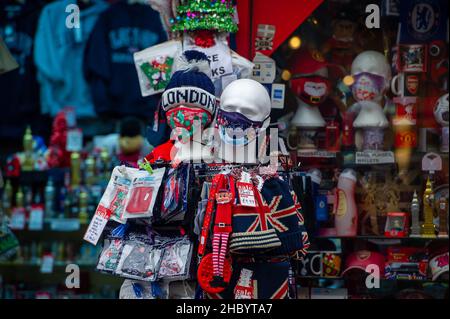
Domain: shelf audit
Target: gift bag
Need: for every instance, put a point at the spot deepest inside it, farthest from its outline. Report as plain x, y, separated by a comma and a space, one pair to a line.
155, 66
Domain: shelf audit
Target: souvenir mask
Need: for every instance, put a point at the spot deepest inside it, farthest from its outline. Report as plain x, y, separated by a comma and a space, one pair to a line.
367, 86
313, 89
235, 128
183, 118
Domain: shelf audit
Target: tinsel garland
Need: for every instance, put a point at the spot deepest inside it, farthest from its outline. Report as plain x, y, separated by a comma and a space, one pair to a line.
222, 24
205, 15
217, 7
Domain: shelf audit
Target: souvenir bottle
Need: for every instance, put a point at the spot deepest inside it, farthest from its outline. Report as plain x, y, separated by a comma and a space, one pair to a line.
345, 210
75, 169
49, 197
83, 203
27, 164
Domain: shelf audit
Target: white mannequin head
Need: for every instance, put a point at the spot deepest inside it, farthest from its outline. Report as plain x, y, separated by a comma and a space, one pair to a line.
372, 62
244, 111
247, 97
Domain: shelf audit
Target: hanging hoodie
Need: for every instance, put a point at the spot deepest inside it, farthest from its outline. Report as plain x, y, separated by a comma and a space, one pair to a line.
58, 55
108, 64
19, 91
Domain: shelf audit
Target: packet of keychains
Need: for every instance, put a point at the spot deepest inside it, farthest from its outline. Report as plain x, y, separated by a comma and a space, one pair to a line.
142, 194
115, 196
176, 260
154, 66
140, 259
110, 255
114, 236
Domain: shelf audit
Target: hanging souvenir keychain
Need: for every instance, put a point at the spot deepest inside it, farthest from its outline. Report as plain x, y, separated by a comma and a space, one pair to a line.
142, 194
175, 263
214, 271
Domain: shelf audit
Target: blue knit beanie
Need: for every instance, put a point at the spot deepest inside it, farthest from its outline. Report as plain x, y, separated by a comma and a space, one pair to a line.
191, 85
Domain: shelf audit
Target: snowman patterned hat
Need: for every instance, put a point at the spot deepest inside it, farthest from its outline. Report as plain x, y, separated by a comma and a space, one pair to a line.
191, 85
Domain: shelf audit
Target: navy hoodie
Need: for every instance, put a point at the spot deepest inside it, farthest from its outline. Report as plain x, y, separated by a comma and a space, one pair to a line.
109, 68
19, 91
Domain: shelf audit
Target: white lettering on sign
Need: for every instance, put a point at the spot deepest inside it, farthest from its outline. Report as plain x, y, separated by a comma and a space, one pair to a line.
376, 157
97, 224
218, 55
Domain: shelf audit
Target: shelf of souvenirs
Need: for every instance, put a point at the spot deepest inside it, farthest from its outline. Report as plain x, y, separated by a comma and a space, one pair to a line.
59, 264
364, 158
48, 225
48, 255
411, 279
384, 238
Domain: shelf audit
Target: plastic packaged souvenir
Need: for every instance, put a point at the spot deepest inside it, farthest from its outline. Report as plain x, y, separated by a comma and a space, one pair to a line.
115, 196
110, 255
142, 194
132, 289
139, 259
174, 195
175, 263
155, 66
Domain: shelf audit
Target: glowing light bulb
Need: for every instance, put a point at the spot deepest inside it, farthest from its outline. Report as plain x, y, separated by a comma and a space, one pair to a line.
295, 42
286, 75
348, 80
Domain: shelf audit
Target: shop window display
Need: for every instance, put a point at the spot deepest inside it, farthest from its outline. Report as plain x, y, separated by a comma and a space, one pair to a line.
212, 152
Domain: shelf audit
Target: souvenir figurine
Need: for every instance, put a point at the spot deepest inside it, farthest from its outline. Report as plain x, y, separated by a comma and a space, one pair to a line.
428, 228
441, 115
443, 217
343, 46
371, 73
311, 85
415, 211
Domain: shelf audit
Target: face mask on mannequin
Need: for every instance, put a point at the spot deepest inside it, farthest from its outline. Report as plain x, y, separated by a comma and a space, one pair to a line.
367, 86
183, 118
236, 129
313, 90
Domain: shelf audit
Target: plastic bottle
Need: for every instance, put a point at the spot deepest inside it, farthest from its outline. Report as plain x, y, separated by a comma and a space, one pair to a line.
49, 199
345, 210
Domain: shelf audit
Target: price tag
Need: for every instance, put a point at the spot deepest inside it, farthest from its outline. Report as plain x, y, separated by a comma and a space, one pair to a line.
377, 157
36, 220
97, 225
74, 140
246, 195
47, 263
71, 116
317, 154
65, 225
244, 287
18, 219
278, 96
